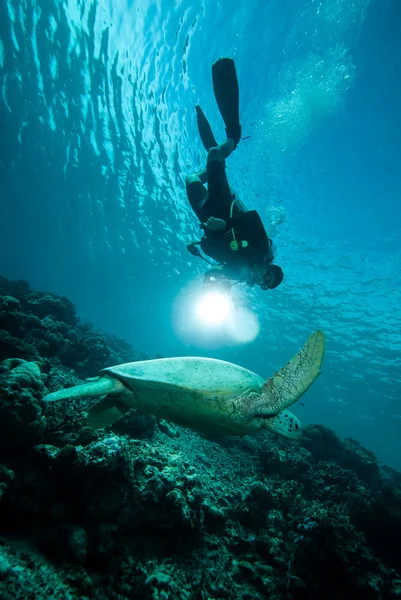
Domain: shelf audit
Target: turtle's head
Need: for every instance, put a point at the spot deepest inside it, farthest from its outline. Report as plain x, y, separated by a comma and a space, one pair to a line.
285, 424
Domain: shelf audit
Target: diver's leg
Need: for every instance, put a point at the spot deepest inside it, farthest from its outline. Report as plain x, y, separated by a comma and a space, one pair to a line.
218, 195
221, 152
197, 193
218, 202
199, 176
216, 154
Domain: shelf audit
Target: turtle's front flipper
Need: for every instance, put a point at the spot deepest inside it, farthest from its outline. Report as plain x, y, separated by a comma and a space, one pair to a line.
105, 385
287, 385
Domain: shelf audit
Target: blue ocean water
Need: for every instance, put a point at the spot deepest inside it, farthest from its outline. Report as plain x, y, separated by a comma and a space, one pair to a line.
97, 133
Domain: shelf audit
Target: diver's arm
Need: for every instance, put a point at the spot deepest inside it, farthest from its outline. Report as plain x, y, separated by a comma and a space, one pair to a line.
221, 273
216, 273
215, 224
240, 221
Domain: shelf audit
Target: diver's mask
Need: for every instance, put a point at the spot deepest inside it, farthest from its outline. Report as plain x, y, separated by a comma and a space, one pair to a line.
267, 280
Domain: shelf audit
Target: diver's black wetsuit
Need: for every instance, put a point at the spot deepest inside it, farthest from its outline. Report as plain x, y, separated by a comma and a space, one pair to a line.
217, 201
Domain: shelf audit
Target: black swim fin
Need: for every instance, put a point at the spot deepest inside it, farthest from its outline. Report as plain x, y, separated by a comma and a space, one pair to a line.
205, 131
226, 92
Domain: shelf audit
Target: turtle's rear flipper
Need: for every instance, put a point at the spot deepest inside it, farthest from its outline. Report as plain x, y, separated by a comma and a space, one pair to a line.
226, 92
205, 131
96, 387
106, 412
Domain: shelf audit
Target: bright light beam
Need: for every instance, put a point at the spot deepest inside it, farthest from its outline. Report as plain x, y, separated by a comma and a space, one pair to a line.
213, 308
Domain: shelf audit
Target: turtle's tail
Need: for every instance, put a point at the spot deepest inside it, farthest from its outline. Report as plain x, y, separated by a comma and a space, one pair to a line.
105, 385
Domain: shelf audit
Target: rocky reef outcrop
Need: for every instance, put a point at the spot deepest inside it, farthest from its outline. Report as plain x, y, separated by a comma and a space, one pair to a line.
151, 510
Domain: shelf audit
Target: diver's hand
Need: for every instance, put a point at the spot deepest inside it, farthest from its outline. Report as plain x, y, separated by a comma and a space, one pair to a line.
215, 224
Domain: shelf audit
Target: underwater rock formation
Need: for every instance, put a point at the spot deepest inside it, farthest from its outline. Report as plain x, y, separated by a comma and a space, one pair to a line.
152, 510
21, 405
44, 327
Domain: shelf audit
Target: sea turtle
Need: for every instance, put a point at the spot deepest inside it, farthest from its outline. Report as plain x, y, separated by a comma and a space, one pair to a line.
205, 394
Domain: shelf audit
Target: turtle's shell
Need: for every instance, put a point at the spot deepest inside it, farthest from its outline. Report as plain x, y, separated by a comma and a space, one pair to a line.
207, 376
201, 393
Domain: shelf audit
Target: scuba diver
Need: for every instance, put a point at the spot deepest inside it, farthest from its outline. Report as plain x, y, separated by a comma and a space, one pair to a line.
233, 236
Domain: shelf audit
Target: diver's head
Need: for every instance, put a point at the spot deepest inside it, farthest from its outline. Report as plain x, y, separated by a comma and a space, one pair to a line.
272, 278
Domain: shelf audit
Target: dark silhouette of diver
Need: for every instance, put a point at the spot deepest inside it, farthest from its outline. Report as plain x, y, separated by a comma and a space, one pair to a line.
233, 236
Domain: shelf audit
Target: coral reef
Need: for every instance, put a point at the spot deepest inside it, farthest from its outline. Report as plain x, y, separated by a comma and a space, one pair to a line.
152, 510
21, 405
43, 327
